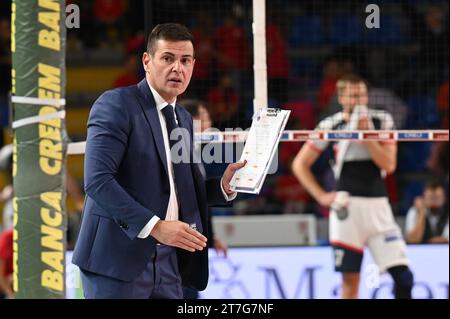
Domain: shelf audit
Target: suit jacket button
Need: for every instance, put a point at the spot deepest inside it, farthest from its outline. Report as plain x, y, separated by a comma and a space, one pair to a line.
122, 224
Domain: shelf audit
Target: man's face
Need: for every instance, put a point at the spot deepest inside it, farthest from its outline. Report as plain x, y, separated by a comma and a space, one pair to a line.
169, 71
203, 115
353, 94
434, 18
204, 118
434, 198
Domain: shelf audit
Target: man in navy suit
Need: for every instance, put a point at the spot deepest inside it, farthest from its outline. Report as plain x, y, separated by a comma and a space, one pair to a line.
146, 206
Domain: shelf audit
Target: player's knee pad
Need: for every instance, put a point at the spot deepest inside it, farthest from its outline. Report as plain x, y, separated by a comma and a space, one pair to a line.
403, 281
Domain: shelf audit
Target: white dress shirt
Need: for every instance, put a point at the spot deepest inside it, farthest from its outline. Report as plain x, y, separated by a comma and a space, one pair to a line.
172, 207
411, 221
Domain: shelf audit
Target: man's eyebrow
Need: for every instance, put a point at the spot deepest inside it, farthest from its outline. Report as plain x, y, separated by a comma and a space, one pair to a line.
184, 55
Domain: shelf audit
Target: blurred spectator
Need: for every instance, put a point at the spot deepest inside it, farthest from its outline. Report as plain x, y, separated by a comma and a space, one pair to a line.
5, 71
204, 55
232, 52
130, 73
136, 43
277, 63
231, 46
442, 103
223, 102
427, 221
200, 113
6, 194
5, 56
6, 264
438, 162
109, 20
332, 71
303, 115
433, 56
109, 11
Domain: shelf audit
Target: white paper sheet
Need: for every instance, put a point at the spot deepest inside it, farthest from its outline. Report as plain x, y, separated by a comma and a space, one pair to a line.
261, 146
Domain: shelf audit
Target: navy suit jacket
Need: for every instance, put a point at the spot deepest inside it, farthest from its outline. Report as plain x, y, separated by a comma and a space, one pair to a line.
126, 184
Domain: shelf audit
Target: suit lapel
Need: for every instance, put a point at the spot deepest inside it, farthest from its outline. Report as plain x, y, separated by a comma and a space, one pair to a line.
148, 106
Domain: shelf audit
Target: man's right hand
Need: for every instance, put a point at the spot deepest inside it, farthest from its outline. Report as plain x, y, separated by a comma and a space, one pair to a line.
178, 234
419, 204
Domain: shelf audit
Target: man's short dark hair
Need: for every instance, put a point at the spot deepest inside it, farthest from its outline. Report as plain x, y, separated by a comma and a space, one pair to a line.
433, 184
192, 106
350, 78
168, 32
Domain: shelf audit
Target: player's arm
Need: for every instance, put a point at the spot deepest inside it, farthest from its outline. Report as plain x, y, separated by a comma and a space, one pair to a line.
301, 167
384, 155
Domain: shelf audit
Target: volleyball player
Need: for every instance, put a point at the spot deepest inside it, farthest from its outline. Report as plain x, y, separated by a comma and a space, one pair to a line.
360, 211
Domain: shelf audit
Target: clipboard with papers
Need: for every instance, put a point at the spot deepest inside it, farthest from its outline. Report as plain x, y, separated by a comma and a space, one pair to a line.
259, 150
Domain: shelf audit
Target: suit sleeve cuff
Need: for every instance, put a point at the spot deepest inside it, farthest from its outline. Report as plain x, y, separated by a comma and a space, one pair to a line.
228, 198
145, 232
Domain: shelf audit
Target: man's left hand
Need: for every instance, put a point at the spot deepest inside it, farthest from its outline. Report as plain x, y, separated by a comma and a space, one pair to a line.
228, 175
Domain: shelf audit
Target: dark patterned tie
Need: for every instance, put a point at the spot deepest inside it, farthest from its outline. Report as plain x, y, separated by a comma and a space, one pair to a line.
184, 180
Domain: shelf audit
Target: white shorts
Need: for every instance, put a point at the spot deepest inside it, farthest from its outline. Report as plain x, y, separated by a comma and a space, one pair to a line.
366, 222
